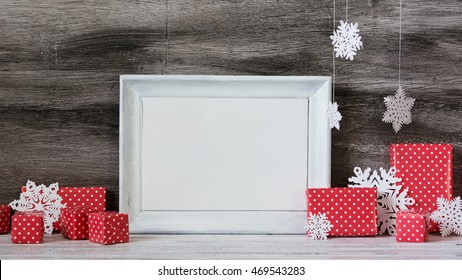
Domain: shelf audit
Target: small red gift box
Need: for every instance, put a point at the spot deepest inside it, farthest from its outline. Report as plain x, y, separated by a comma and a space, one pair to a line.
411, 226
27, 227
108, 227
351, 211
426, 171
74, 222
5, 212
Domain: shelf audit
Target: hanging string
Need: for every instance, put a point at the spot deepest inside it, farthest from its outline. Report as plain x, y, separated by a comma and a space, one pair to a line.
399, 54
346, 11
333, 61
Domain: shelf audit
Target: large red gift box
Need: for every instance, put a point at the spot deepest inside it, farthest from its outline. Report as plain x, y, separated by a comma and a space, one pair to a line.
351, 211
27, 227
5, 212
74, 222
108, 227
426, 171
94, 197
411, 226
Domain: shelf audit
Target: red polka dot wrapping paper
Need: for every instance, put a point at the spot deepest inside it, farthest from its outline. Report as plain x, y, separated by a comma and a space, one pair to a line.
74, 222
27, 227
411, 227
5, 212
426, 170
351, 211
108, 227
94, 197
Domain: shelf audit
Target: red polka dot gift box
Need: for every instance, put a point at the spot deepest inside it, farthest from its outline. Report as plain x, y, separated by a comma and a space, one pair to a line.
108, 227
94, 197
426, 171
74, 222
5, 212
351, 211
411, 226
27, 227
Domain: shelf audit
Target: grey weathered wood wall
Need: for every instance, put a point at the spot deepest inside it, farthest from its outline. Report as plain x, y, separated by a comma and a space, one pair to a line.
60, 61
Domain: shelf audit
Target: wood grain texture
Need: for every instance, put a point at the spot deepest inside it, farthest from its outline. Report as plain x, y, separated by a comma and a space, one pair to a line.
247, 247
60, 61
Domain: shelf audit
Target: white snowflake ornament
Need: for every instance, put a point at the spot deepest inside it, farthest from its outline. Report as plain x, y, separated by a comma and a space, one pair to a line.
390, 196
41, 198
334, 115
448, 216
398, 109
346, 40
318, 226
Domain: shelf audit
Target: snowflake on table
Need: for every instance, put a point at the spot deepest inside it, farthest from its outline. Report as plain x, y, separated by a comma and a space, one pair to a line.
318, 226
448, 216
398, 109
334, 115
346, 40
41, 198
390, 196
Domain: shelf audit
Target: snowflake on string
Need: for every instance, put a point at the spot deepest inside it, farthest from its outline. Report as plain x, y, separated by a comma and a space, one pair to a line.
318, 226
398, 109
346, 40
448, 216
41, 198
390, 196
334, 115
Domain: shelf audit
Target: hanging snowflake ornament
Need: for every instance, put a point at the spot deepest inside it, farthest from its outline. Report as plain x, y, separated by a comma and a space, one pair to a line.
334, 115
346, 40
318, 226
41, 198
448, 216
391, 198
398, 109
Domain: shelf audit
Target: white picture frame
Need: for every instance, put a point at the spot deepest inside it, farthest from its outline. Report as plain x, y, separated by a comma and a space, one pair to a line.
136, 88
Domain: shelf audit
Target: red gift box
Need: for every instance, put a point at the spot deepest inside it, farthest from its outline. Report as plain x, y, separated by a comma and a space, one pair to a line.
74, 222
351, 211
94, 197
426, 171
27, 227
108, 227
411, 226
5, 212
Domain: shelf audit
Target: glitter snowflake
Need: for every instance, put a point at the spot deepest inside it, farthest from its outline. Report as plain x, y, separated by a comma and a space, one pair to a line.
346, 40
318, 226
398, 109
41, 198
390, 196
334, 115
448, 216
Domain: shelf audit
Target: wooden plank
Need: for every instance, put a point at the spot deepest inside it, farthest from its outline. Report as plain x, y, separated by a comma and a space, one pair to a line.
235, 247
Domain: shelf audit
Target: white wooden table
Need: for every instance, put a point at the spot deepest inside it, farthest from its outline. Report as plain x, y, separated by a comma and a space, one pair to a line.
235, 247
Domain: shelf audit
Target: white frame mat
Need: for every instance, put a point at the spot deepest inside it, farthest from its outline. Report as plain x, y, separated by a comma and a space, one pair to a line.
134, 88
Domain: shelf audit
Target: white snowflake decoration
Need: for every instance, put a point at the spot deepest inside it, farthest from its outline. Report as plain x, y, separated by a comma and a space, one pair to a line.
41, 198
334, 115
318, 226
398, 109
390, 196
346, 40
448, 216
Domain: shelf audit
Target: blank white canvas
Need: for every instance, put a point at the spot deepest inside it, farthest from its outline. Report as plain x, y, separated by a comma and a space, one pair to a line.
224, 154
